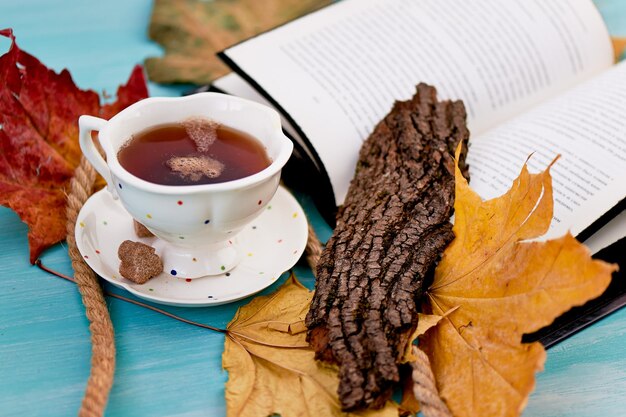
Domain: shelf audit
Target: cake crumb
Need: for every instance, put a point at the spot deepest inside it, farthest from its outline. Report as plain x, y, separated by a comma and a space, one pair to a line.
195, 167
141, 230
202, 131
139, 262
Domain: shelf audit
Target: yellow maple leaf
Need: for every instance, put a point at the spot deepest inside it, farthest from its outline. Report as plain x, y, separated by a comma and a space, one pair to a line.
502, 287
409, 404
619, 46
272, 369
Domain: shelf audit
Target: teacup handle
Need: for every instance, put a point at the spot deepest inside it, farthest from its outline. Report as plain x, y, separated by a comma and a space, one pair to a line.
87, 124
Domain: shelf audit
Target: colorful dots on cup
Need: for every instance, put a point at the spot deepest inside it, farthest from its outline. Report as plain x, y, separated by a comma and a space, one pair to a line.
97, 251
260, 202
181, 237
223, 268
207, 221
81, 224
149, 216
119, 185
294, 215
179, 202
227, 274
269, 207
187, 279
104, 222
249, 253
173, 272
150, 289
280, 241
194, 259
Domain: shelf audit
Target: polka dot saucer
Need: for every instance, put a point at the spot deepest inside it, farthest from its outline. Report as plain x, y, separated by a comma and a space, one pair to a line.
271, 244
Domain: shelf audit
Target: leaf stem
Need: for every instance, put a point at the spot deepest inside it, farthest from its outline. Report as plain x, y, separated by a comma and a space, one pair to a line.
260, 342
137, 303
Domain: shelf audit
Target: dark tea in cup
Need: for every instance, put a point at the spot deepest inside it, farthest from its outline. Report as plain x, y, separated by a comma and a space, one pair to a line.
194, 151
160, 142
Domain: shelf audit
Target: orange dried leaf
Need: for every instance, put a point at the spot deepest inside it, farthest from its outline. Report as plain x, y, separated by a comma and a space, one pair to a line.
502, 287
619, 46
39, 149
424, 323
272, 369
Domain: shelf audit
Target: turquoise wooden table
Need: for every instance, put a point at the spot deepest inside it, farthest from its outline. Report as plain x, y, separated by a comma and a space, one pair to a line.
164, 367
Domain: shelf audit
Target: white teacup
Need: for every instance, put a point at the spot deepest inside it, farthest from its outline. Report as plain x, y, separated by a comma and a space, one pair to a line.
196, 225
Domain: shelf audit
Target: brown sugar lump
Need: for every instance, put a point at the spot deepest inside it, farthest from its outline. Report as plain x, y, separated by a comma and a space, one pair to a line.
195, 167
202, 131
139, 262
141, 230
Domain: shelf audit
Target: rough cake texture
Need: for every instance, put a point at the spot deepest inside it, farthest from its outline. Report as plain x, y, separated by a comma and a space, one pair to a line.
138, 263
202, 131
195, 167
141, 230
390, 233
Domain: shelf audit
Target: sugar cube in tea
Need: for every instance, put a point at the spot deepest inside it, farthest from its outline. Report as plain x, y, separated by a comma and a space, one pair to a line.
202, 132
195, 167
193, 151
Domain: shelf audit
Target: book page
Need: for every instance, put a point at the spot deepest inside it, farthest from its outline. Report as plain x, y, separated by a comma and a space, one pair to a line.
587, 127
337, 72
233, 84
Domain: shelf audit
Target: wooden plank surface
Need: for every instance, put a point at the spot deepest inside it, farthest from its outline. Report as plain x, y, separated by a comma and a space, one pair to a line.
166, 368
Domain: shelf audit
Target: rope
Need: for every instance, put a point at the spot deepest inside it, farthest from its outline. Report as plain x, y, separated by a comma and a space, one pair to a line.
425, 388
102, 340
313, 249
102, 337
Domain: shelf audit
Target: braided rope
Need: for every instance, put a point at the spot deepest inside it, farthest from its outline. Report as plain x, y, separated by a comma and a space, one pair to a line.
425, 388
102, 339
313, 249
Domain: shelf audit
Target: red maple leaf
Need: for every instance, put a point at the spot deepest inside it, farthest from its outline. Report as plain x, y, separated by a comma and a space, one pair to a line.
39, 148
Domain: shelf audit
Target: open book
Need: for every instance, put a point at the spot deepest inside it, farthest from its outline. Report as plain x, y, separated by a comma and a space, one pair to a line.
536, 77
